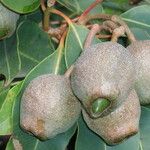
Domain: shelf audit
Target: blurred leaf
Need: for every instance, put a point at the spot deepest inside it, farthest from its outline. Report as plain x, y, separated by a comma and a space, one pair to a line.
33, 44
10, 145
6, 111
138, 17
35, 16
1, 84
147, 106
78, 6
88, 140
73, 49
22, 6
3, 94
9, 58
145, 129
74, 43
131, 143
116, 6
29, 142
145, 2
141, 34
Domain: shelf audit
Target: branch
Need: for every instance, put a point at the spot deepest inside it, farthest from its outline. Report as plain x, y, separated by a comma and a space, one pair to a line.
86, 12
118, 20
94, 30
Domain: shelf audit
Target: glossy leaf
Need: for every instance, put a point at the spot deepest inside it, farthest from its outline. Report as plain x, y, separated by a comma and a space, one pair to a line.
22, 6
116, 6
9, 58
88, 140
78, 6
138, 17
144, 129
3, 94
28, 142
73, 50
77, 34
33, 45
6, 108
141, 34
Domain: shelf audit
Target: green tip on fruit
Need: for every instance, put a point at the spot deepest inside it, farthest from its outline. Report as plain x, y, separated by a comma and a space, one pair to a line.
100, 105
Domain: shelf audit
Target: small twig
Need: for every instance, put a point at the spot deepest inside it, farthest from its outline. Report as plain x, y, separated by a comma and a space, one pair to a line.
118, 32
86, 12
95, 29
103, 36
69, 71
96, 16
43, 7
63, 22
51, 3
118, 20
46, 20
57, 32
68, 20
110, 25
60, 51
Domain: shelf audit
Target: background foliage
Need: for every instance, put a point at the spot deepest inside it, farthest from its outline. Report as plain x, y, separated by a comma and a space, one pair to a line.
30, 52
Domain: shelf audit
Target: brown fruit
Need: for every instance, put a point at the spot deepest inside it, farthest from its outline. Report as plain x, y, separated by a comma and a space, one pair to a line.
103, 73
141, 52
48, 106
120, 124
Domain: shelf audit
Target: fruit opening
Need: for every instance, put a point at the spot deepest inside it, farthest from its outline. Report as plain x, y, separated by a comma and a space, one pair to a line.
99, 105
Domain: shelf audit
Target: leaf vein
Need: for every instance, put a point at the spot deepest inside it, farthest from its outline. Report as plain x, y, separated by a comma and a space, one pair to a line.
28, 57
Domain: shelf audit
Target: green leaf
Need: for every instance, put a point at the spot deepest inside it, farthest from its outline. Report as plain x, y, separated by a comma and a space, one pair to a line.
1, 84
9, 58
131, 143
116, 6
6, 111
35, 16
88, 140
74, 43
34, 45
138, 17
145, 129
78, 6
77, 34
141, 34
22, 6
10, 145
28, 142
3, 94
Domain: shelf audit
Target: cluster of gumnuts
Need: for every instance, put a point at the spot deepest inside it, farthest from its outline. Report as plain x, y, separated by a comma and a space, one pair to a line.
107, 82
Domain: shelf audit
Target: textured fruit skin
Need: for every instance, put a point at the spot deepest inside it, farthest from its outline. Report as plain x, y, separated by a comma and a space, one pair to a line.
48, 106
120, 124
141, 52
7, 22
104, 70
